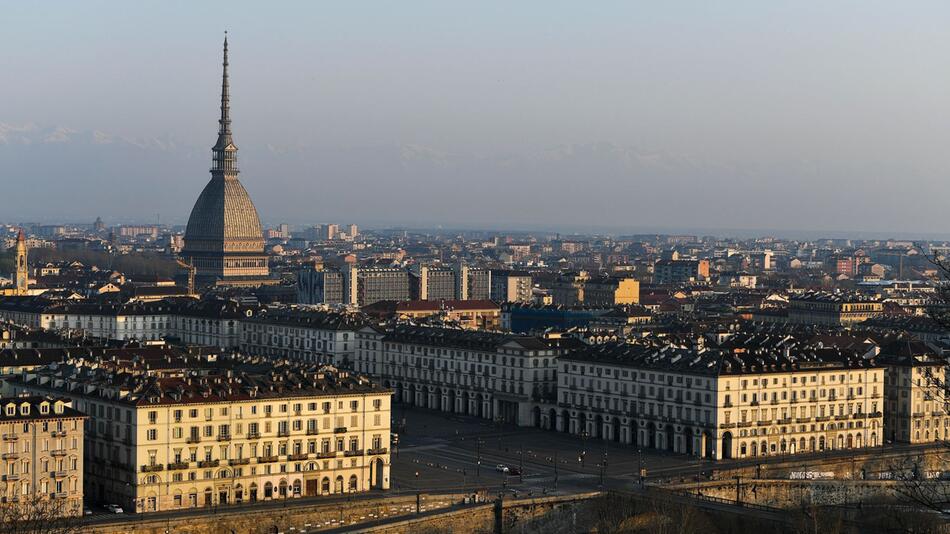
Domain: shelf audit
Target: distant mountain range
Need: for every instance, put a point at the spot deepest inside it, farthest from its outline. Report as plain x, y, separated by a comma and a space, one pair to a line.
63, 174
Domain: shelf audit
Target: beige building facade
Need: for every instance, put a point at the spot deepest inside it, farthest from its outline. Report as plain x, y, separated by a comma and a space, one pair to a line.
717, 405
186, 435
41, 456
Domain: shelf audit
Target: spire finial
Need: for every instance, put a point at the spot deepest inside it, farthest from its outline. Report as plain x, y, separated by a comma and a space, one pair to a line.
224, 150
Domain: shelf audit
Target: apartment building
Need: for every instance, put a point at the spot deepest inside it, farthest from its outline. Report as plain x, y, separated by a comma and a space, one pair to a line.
302, 335
587, 290
201, 322
475, 314
182, 433
41, 457
917, 406
717, 404
832, 309
511, 286
488, 375
680, 271
320, 286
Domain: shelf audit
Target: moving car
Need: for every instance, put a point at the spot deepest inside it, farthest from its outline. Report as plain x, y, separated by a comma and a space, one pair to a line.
114, 508
501, 468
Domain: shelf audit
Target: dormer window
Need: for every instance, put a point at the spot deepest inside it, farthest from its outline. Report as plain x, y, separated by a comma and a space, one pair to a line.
44, 408
11, 409
25, 409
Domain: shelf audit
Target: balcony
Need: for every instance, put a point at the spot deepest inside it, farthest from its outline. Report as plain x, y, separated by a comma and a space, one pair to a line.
297, 457
727, 425
802, 419
224, 437
312, 431
11, 477
58, 495
266, 459
59, 433
754, 403
208, 463
239, 461
875, 414
193, 439
822, 419
11, 437
339, 430
764, 423
10, 455
58, 452
325, 455
353, 453
58, 474
151, 468
785, 421
253, 435
744, 424
283, 433
177, 466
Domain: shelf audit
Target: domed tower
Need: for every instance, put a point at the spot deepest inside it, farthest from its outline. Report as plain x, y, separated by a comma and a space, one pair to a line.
223, 240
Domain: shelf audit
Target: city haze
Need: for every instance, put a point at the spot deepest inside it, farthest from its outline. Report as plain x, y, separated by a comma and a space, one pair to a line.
743, 116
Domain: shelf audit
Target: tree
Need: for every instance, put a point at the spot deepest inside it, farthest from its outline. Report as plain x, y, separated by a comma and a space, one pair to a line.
915, 481
37, 514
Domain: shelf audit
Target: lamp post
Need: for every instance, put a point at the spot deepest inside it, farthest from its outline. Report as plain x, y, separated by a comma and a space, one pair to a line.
640, 465
418, 495
478, 457
584, 435
521, 466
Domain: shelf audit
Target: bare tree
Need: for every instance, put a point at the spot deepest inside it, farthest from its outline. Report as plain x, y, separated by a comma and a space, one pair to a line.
37, 514
918, 482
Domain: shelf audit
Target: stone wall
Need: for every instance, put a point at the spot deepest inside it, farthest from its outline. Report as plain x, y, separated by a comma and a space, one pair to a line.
481, 518
876, 465
261, 520
798, 493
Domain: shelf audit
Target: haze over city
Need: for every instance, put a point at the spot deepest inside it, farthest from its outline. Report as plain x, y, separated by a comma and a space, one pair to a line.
474, 267
623, 116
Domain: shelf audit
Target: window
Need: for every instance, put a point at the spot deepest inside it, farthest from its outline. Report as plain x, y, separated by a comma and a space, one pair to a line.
151, 435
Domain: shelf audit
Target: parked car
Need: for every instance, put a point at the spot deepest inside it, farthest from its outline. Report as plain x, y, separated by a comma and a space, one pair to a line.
501, 468
86, 510
114, 509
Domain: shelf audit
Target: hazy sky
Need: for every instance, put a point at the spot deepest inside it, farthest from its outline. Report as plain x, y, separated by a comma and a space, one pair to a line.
634, 115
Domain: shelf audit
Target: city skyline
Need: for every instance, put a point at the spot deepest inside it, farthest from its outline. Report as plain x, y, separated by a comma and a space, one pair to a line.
782, 118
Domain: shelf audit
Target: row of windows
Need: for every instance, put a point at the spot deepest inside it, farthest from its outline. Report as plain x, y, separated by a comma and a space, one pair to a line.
224, 411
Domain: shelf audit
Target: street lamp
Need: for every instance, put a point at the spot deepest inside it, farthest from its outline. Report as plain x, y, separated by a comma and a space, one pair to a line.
478, 457
584, 435
418, 495
640, 465
521, 466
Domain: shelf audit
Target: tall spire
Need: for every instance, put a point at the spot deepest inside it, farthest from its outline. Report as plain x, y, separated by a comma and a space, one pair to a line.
225, 153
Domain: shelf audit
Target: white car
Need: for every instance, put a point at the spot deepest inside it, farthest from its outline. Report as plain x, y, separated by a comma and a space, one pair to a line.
114, 508
501, 468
